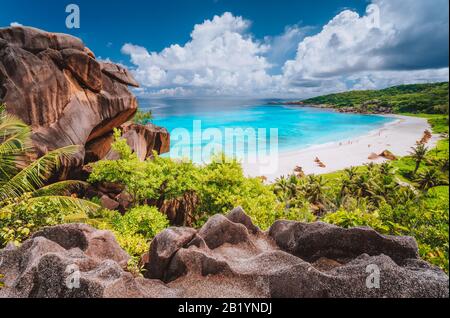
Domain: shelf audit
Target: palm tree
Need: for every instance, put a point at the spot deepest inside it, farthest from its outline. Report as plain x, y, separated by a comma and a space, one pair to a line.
371, 167
418, 154
441, 164
24, 181
351, 172
430, 178
386, 168
314, 190
281, 185
406, 194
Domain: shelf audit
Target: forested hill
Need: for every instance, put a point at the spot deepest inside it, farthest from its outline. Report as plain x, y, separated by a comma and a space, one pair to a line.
415, 98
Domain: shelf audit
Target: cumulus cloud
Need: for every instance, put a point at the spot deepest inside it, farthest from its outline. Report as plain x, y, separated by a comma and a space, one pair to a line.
283, 47
390, 44
15, 24
394, 42
221, 58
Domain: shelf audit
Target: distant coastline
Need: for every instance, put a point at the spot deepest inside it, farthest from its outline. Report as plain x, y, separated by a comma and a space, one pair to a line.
380, 110
429, 98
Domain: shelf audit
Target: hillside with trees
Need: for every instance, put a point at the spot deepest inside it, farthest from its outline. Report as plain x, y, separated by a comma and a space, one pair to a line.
416, 98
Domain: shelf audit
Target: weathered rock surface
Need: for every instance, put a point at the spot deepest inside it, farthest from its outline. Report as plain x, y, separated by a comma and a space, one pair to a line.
180, 210
388, 155
54, 83
227, 257
100, 245
316, 240
144, 140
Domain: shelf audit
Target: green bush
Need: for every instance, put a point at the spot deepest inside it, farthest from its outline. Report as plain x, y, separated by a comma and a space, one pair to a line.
220, 185
135, 229
19, 220
142, 117
356, 218
142, 220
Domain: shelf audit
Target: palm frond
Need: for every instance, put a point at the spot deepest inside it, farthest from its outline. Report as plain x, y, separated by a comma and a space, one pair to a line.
33, 176
71, 204
61, 188
14, 143
11, 125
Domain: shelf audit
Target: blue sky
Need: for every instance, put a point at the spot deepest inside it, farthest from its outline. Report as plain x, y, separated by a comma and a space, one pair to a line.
264, 48
156, 24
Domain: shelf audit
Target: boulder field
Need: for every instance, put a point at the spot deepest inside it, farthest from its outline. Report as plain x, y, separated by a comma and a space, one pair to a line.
227, 257
55, 84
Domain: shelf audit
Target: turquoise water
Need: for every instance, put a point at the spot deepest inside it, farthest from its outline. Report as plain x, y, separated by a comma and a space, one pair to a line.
298, 127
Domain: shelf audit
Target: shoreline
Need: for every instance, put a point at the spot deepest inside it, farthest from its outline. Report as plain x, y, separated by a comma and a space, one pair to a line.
397, 136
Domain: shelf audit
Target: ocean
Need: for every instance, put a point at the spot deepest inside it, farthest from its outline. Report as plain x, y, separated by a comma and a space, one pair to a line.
252, 125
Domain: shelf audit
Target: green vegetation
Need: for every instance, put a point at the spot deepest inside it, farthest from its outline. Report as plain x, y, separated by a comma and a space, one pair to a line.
415, 98
422, 211
218, 187
26, 201
133, 231
142, 117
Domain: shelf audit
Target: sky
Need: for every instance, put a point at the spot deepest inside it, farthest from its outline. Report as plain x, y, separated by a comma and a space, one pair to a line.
256, 48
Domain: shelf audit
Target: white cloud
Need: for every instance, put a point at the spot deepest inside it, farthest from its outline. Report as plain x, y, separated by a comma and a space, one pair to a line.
220, 58
373, 80
394, 42
284, 46
15, 24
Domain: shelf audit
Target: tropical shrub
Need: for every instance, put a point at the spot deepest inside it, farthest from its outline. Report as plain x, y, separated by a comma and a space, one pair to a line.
220, 185
142, 220
348, 219
133, 231
26, 202
142, 117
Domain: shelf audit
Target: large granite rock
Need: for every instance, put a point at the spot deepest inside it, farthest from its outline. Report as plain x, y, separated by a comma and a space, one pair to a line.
144, 139
227, 257
230, 257
42, 268
54, 83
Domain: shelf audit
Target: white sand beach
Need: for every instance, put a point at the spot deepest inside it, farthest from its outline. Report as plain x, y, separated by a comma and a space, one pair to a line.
398, 137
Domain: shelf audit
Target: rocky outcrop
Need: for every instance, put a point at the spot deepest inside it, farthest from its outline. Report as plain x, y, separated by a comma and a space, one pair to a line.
386, 154
72, 261
54, 84
227, 257
144, 140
